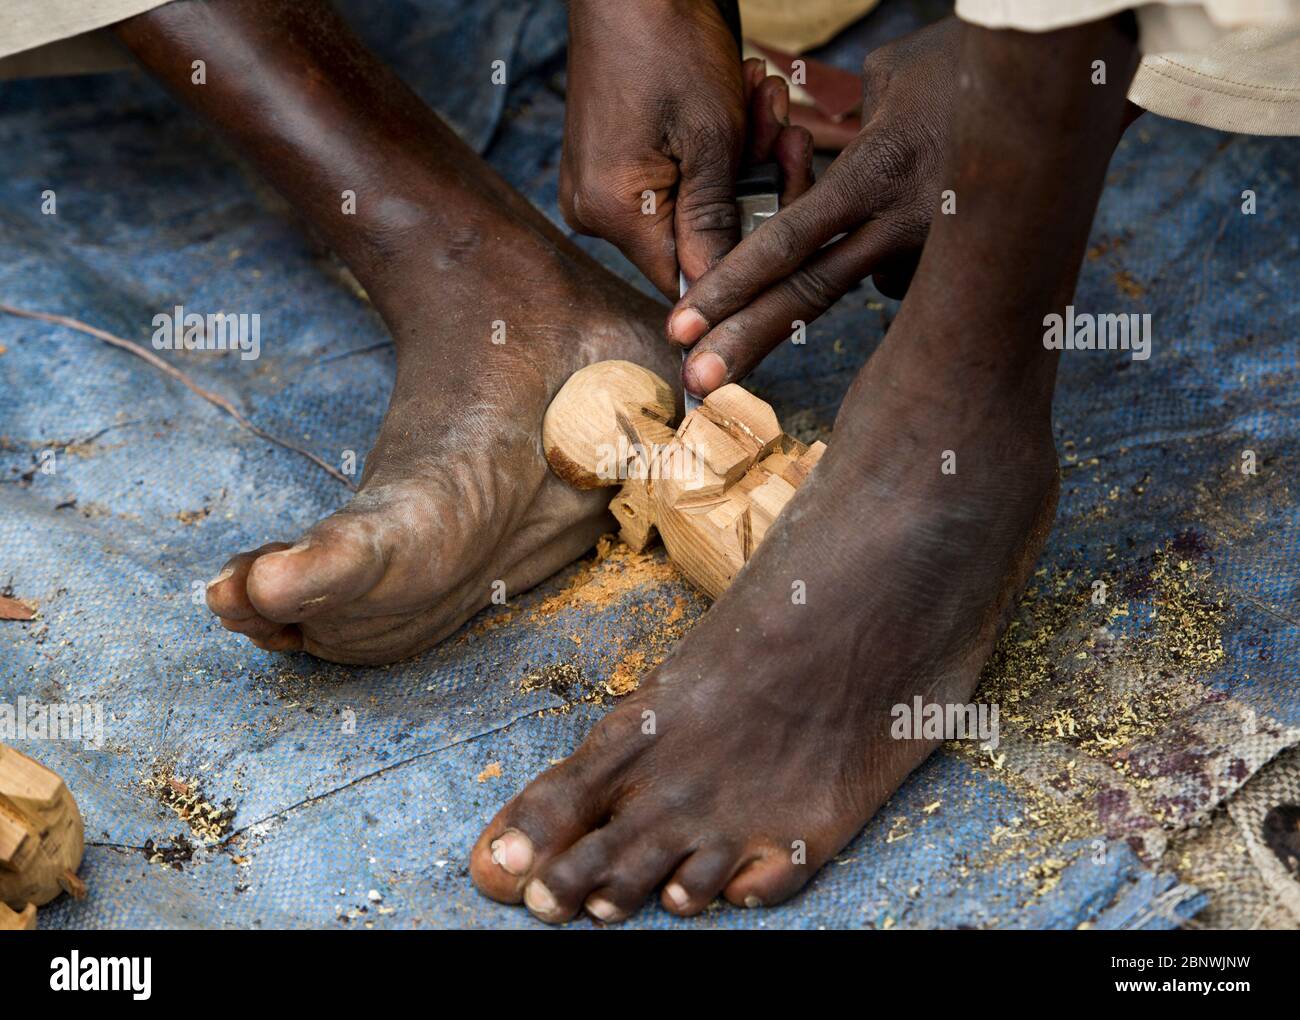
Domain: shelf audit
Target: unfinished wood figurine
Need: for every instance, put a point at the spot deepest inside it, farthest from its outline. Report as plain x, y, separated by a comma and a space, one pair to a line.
41, 839
711, 489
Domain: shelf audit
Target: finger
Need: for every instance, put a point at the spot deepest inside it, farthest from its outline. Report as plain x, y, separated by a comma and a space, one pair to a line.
706, 221
771, 253
735, 346
769, 111
793, 153
752, 73
648, 243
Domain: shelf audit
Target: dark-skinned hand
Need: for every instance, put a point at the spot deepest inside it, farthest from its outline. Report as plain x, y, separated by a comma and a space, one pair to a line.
880, 194
660, 103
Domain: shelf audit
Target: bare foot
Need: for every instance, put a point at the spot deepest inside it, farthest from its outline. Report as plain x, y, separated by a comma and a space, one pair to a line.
762, 746
759, 749
456, 494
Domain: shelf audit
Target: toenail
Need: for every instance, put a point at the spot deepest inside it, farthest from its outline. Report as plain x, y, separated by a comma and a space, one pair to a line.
513, 852
538, 898
677, 895
687, 326
752, 901
602, 909
221, 576
705, 373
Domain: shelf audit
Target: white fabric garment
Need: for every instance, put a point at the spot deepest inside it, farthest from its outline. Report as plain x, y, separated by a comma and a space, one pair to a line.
1227, 64
41, 37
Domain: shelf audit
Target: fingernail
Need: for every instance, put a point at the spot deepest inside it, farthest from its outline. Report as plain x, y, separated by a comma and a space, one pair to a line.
752, 901
513, 852
538, 898
677, 895
687, 326
781, 105
601, 909
705, 373
221, 576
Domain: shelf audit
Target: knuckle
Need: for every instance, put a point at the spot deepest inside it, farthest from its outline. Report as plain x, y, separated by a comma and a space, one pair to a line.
593, 205
812, 288
784, 240
891, 162
878, 68
708, 208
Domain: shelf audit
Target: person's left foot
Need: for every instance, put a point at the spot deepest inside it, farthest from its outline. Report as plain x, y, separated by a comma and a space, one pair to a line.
762, 746
457, 502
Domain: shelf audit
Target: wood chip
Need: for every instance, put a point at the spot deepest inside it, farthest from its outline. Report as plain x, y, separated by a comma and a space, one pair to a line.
13, 609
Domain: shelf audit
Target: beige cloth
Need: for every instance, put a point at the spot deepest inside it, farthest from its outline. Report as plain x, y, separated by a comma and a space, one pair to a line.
794, 26
1227, 64
45, 37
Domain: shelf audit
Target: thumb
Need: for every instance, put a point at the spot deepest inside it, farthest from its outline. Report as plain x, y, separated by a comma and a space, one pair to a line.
705, 222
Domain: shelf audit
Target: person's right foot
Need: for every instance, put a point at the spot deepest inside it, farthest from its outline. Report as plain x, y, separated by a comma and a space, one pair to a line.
759, 749
763, 744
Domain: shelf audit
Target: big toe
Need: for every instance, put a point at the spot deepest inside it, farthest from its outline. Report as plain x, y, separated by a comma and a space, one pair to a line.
339, 560
551, 814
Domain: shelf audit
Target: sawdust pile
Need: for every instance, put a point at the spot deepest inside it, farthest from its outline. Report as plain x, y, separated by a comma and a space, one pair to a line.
1118, 666
615, 573
1089, 679
656, 609
207, 821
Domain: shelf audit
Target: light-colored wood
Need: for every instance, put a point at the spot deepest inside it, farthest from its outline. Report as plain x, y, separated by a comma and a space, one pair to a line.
580, 429
798, 471
750, 420
712, 489
724, 454
42, 837
766, 502
633, 508
25, 921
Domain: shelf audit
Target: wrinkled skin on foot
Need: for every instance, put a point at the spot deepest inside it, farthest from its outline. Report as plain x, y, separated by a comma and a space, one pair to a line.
456, 494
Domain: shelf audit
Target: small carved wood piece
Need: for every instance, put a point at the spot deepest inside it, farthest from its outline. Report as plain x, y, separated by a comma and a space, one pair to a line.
712, 489
41, 839
580, 430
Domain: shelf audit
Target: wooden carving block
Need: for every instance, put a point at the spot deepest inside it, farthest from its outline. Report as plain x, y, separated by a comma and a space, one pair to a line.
633, 508
41, 837
722, 454
766, 502
713, 488
26, 921
580, 429
646, 439
750, 420
806, 461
